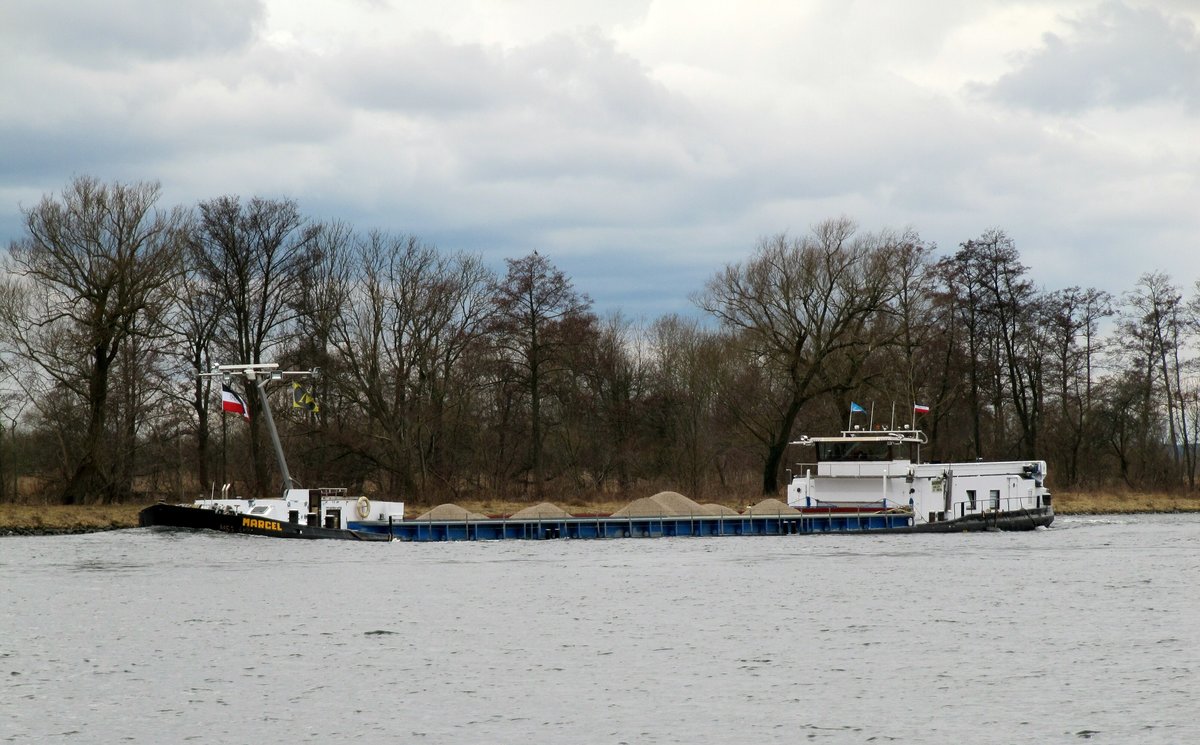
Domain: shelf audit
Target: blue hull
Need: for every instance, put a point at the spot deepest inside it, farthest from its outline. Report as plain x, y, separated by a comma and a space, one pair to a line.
694, 525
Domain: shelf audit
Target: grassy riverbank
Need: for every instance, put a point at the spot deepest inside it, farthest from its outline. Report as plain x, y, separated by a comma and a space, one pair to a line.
42, 519
32, 519
1118, 503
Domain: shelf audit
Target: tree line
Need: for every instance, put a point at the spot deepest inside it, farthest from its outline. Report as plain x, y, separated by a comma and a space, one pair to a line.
443, 379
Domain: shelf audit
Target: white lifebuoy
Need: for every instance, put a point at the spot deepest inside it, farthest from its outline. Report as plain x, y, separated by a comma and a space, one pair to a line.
364, 507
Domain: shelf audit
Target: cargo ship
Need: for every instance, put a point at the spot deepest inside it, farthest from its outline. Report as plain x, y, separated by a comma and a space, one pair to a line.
298, 513
859, 481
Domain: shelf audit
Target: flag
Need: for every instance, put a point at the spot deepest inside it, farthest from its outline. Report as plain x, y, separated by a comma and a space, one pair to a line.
232, 403
920, 408
303, 399
856, 409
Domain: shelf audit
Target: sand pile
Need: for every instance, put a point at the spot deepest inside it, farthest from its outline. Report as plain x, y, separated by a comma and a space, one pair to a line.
451, 512
663, 504
544, 510
717, 509
771, 506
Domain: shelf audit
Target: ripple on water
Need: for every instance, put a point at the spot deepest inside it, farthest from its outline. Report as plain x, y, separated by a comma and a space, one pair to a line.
1077, 632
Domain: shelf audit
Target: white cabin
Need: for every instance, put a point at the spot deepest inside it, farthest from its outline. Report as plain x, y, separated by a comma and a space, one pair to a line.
881, 470
325, 507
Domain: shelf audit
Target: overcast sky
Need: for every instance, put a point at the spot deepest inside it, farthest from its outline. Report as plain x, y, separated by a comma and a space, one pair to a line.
640, 144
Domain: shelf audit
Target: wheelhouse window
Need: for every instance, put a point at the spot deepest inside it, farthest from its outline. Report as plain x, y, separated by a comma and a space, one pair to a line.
854, 451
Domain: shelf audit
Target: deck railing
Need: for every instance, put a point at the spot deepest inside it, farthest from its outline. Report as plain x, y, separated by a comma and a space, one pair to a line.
989, 505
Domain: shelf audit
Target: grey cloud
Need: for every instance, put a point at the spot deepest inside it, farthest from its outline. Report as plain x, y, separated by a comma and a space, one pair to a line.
573, 146
569, 112
586, 76
578, 77
1117, 56
114, 33
147, 137
426, 75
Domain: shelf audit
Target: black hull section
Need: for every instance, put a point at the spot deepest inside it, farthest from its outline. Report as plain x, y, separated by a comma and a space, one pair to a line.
194, 518
1020, 520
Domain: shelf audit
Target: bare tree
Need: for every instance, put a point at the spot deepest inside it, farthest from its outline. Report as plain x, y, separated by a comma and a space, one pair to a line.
255, 254
963, 328
805, 308
92, 272
911, 312
539, 317
1014, 307
1000, 313
193, 321
412, 317
689, 366
12, 406
320, 438
1121, 422
1072, 319
609, 384
1156, 326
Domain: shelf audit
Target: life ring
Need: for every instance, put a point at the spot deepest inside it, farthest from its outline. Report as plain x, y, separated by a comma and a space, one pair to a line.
364, 507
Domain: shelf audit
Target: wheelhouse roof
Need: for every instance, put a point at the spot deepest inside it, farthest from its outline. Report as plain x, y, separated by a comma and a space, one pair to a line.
891, 436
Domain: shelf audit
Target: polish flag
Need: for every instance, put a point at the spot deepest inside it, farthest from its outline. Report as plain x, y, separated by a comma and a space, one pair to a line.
232, 403
920, 408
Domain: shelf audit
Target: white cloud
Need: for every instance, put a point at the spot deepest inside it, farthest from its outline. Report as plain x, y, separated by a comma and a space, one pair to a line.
1115, 55
125, 33
643, 142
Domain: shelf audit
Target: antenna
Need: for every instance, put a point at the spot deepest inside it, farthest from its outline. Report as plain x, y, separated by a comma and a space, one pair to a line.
259, 374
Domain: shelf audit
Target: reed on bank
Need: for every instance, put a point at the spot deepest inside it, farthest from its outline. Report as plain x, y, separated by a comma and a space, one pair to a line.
1123, 503
57, 518
67, 518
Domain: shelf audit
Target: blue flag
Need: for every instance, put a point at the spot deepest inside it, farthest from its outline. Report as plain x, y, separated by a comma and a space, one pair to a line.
856, 409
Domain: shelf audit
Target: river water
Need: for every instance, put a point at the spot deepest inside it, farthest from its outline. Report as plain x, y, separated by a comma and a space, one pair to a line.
1087, 631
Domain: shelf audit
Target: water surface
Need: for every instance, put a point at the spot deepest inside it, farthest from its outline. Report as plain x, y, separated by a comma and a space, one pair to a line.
1087, 631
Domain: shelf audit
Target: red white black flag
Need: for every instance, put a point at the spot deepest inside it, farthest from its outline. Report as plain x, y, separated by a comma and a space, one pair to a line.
232, 403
